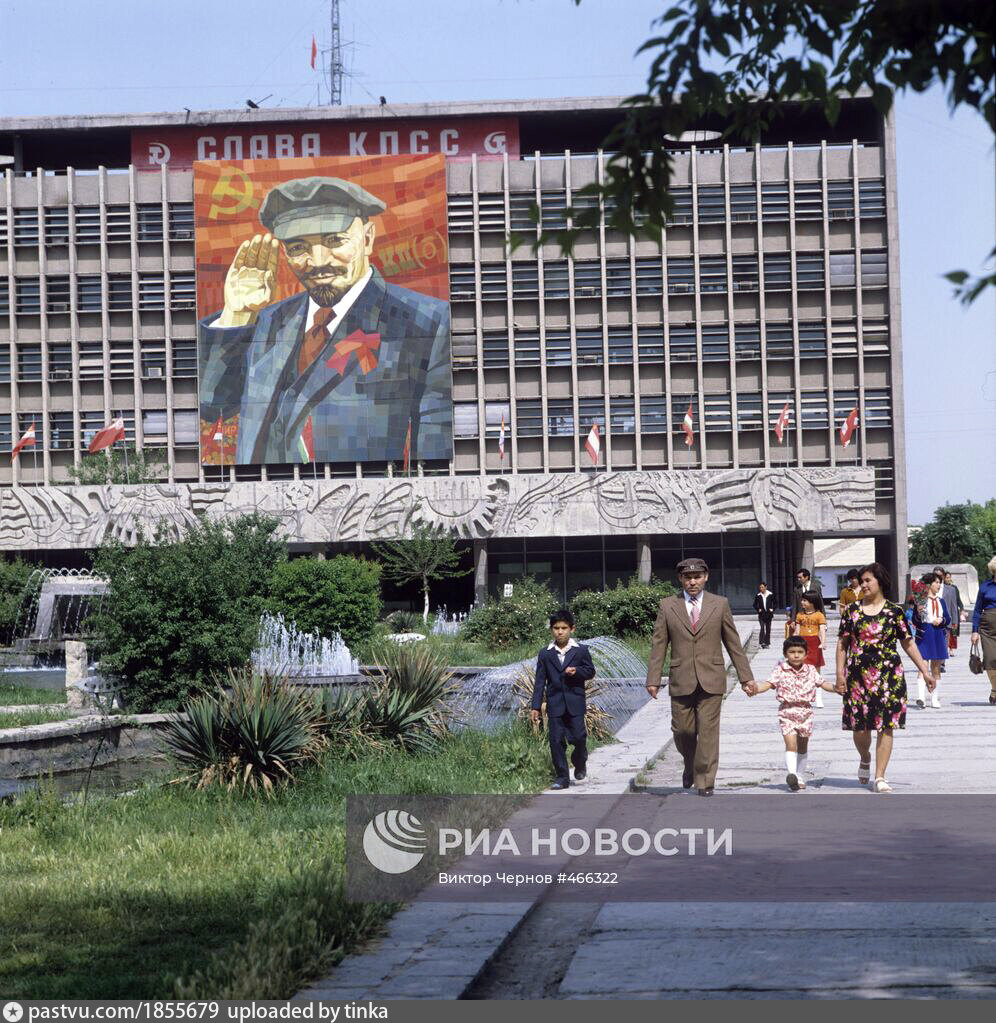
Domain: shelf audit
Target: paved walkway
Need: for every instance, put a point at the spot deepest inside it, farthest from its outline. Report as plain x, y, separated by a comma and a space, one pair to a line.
679, 950
815, 950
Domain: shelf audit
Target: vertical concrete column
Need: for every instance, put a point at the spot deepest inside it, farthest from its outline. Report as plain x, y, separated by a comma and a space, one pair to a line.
643, 560
807, 553
766, 573
76, 670
480, 571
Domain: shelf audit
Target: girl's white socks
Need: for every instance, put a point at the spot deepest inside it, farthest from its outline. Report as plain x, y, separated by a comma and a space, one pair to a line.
791, 760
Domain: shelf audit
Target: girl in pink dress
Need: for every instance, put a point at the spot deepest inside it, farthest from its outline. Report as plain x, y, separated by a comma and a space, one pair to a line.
795, 683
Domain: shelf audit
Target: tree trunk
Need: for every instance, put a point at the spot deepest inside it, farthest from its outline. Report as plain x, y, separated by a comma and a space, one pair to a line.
425, 590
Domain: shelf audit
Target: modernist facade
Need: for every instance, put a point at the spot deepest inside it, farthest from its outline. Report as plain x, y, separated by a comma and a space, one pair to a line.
776, 282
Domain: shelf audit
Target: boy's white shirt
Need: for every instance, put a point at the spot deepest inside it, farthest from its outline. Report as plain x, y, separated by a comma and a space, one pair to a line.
562, 651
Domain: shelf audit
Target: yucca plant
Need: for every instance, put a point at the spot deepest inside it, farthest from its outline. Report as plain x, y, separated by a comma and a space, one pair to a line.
407, 703
252, 735
406, 621
596, 721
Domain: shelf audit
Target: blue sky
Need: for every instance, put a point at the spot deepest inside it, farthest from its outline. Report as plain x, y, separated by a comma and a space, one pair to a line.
108, 56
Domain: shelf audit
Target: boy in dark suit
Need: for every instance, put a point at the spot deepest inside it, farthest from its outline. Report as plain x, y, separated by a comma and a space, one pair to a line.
563, 668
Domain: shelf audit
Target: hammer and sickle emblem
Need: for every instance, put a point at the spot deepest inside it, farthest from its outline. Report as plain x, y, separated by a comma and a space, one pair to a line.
236, 185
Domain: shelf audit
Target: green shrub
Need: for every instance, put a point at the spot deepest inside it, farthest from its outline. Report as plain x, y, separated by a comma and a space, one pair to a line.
406, 621
252, 736
523, 617
14, 573
629, 610
339, 595
180, 612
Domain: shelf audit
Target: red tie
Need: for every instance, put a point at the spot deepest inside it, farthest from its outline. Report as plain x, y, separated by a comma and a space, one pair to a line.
934, 609
315, 339
694, 612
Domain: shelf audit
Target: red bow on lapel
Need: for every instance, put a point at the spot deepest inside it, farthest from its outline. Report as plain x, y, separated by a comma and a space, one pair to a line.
364, 345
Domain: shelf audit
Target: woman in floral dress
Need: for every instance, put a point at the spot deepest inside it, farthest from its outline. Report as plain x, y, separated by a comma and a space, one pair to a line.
870, 672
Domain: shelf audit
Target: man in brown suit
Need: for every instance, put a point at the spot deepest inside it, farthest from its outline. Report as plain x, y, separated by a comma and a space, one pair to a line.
696, 625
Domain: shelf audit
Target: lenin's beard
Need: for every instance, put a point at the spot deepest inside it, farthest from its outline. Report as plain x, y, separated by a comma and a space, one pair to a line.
325, 293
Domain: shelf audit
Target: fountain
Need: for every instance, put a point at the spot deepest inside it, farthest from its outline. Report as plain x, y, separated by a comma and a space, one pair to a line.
283, 649
445, 625
488, 698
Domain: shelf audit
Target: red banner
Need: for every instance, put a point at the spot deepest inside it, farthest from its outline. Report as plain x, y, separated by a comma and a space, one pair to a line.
455, 137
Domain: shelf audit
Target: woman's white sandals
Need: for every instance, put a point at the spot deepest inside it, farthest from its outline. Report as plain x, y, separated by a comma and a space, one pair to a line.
864, 772
881, 785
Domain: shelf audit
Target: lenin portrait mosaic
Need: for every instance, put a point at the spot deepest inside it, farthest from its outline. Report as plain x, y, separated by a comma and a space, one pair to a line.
323, 310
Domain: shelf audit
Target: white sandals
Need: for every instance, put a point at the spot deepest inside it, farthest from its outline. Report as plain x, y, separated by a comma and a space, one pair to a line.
864, 772
881, 785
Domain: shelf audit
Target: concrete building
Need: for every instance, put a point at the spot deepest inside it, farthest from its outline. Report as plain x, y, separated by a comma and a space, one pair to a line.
776, 282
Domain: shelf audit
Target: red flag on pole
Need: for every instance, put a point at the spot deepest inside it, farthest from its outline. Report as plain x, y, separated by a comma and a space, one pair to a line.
306, 442
848, 427
782, 423
27, 441
593, 445
314, 52
408, 448
688, 425
110, 434
501, 440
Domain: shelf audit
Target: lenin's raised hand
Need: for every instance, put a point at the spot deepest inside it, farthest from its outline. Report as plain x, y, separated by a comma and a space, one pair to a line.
251, 280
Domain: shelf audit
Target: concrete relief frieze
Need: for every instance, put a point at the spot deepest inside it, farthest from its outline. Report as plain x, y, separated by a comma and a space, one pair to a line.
471, 507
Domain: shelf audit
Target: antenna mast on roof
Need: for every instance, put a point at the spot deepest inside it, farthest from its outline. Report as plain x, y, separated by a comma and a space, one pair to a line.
336, 67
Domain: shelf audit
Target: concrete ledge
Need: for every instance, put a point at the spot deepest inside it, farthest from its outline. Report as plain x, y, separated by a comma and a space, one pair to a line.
73, 744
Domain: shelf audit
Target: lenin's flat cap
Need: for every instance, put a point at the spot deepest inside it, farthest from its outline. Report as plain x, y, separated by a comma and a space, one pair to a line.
691, 565
316, 206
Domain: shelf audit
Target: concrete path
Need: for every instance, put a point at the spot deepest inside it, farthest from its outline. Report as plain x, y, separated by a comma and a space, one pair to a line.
817, 950
677, 950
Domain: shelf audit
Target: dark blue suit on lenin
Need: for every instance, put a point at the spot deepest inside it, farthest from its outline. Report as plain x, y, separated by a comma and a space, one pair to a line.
565, 703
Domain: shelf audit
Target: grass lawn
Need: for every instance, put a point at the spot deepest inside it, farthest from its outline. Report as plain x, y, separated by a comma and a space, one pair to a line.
12, 696
20, 718
173, 893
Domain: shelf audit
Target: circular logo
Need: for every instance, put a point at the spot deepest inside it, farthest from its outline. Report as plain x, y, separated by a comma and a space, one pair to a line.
394, 841
495, 142
159, 153
12, 1012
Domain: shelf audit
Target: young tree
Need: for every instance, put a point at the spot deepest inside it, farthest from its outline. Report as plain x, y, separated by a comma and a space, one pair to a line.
430, 555
958, 533
738, 62
144, 465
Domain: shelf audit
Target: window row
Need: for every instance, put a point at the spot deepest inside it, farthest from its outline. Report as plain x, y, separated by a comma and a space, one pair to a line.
682, 345
709, 201
655, 417
60, 431
55, 226
150, 289
646, 275
119, 360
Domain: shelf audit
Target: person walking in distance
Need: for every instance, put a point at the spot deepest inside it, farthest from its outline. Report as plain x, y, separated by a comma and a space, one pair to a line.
694, 626
764, 605
959, 615
811, 627
850, 593
984, 626
870, 672
931, 623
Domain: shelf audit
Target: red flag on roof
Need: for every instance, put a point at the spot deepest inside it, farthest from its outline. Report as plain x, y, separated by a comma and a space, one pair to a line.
314, 52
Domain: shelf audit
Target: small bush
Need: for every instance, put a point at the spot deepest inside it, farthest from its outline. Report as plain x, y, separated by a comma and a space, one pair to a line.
14, 574
340, 595
629, 610
252, 737
406, 621
522, 618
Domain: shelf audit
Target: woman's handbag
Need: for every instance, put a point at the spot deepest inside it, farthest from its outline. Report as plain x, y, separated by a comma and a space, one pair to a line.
975, 660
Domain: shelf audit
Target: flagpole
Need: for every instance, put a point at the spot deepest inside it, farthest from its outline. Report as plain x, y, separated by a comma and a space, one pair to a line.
124, 440
34, 453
